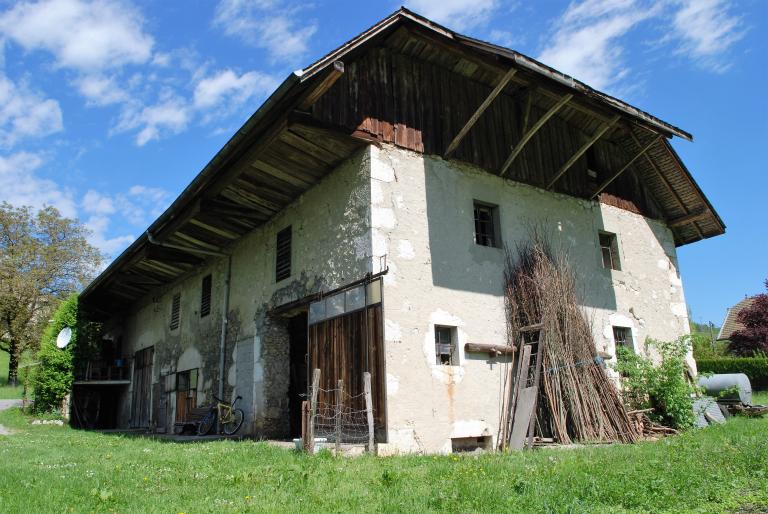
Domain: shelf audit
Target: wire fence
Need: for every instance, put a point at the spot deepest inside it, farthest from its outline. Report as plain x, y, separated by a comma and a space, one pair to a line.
339, 417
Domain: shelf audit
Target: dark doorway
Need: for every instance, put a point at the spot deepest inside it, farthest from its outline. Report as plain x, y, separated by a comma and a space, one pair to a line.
297, 389
142, 382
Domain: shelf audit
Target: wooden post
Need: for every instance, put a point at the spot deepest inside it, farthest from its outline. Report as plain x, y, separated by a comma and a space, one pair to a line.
310, 443
338, 414
369, 409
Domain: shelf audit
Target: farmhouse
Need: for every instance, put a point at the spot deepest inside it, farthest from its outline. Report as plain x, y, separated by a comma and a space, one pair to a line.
357, 223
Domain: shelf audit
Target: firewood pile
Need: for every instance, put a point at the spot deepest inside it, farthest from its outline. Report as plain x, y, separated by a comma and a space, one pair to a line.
648, 428
577, 401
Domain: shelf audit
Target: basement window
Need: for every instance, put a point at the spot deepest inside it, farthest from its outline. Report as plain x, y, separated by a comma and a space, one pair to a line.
609, 250
487, 224
622, 336
283, 255
175, 311
445, 346
205, 296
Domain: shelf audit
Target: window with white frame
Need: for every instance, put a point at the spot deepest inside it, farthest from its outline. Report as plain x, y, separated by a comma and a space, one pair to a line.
622, 336
445, 346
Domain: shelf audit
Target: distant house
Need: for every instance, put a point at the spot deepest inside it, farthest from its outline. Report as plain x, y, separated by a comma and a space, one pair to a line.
357, 223
730, 323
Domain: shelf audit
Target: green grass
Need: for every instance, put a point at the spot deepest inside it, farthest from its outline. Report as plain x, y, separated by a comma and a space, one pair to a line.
7, 392
57, 469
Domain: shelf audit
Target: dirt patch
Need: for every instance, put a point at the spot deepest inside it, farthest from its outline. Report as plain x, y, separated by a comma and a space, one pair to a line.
7, 404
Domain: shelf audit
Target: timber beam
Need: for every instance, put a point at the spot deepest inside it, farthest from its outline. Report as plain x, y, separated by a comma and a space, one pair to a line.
490, 349
532, 132
581, 151
689, 218
233, 210
479, 111
616, 175
666, 183
163, 254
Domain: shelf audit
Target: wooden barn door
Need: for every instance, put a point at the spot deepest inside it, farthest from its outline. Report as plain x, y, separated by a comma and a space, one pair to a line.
345, 341
142, 383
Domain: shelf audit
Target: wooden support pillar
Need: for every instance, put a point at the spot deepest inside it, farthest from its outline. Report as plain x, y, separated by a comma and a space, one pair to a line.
369, 410
309, 444
532, 132
616, 175
338, 414
581, 151
479, 111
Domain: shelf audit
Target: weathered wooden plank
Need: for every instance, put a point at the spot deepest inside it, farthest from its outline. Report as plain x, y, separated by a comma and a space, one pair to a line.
489, 348
613, 177
503, 81
532, 132
581, 151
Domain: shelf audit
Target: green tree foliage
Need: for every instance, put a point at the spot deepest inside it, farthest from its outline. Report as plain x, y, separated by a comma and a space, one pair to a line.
53, 377
44, 257
663, 386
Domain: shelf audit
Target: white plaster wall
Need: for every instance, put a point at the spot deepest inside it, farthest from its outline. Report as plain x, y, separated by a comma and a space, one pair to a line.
422, 220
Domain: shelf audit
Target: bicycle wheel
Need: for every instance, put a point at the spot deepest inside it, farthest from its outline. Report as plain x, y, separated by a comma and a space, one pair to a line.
234, 422
206, 424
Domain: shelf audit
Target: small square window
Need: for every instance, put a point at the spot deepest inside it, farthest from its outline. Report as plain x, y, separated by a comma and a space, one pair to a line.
175, 311
487, 225
622, 336
609, 250
205, 296
445, 346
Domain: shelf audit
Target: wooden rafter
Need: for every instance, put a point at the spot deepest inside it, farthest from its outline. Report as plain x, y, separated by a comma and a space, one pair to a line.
689, 218
616, 175
666, 183
581, 151
479, 111
532, 132
159, 253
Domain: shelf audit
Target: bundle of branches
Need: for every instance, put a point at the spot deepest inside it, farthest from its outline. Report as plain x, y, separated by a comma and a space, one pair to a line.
577, 401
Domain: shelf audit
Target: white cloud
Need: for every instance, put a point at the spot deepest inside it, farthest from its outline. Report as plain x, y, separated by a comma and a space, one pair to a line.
101, 90
20, 185
26, 114
227, 86
586, 43
707, 29
110, 246
266, 24
169, 116
81, 34
456, 14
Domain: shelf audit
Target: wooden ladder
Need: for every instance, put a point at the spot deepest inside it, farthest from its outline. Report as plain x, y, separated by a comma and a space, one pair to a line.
521, 413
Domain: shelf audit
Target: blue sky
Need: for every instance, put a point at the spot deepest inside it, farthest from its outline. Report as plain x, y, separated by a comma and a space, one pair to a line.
109, 108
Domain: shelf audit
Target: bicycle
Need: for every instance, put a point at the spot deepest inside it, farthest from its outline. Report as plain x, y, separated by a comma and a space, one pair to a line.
230, 418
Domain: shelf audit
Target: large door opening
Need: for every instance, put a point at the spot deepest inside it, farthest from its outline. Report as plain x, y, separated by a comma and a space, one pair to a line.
297, 388
346, 341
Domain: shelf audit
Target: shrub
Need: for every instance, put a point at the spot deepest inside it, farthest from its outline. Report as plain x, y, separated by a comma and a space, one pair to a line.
52, 380
663, 387
756, 368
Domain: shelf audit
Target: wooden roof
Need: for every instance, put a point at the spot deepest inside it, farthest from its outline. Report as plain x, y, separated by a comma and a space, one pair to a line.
291, 142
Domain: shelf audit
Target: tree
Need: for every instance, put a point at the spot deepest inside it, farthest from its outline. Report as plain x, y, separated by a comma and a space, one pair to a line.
753, 338
44, 257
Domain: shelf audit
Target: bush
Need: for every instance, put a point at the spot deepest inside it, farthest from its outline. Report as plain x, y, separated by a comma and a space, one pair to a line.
756, 368
52, 380
664, 388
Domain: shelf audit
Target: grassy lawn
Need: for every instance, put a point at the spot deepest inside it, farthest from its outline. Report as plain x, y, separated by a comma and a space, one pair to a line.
50, 468
7, 392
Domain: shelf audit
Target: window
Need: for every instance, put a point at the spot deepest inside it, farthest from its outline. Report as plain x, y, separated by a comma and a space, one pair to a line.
175, 311
445, 347
609, 250
205, 297
622, 336
487, 225
186, 393
283, 255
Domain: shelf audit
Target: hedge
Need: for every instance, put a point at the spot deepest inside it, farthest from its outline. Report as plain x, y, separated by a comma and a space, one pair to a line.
756, 368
